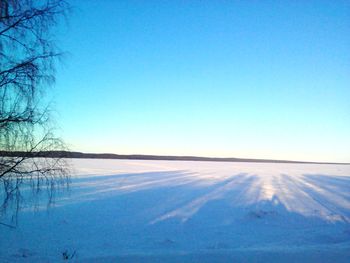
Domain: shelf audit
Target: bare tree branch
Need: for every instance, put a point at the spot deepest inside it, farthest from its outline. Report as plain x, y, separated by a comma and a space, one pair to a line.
27, 68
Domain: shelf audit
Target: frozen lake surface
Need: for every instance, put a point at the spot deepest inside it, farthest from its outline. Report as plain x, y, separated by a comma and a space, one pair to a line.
184, 211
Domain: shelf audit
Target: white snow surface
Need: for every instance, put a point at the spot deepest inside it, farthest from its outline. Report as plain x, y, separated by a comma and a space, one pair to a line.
185, 211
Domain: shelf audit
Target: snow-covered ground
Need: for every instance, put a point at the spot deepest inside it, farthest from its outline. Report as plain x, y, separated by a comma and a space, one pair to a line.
177, 211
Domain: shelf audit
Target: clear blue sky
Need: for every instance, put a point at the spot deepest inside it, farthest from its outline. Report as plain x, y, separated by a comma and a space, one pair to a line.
257, 79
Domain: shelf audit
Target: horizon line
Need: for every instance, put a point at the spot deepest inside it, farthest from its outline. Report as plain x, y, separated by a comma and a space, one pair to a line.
89, 155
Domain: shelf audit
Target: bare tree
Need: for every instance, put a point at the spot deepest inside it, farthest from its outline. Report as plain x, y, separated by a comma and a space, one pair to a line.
28, 56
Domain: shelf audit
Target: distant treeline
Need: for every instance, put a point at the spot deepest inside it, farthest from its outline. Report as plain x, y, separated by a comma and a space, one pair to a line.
68, 154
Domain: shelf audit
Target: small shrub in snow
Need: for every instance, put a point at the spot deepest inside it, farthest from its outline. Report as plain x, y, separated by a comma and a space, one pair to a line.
66, 255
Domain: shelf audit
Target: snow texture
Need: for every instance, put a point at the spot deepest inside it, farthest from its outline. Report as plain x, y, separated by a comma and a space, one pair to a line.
178, 211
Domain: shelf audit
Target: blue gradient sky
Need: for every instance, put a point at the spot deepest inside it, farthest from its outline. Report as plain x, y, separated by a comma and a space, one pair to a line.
258, 79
